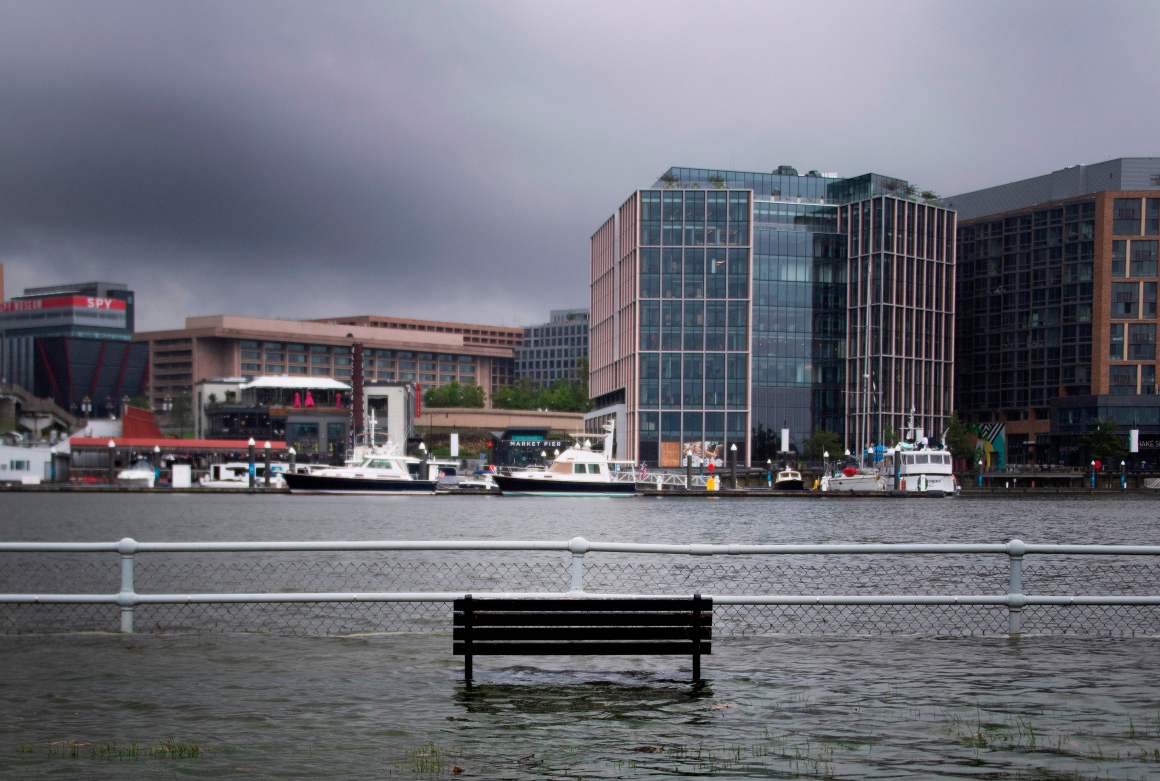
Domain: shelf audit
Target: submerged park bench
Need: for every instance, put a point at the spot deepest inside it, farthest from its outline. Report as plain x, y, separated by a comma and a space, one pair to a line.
601, 626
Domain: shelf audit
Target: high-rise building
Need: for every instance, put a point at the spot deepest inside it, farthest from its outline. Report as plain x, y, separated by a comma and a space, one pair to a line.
72, 343
727, 306
555, 350
1057, 290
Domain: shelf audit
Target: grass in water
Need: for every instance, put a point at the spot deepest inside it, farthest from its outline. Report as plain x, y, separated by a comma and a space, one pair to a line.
116, 750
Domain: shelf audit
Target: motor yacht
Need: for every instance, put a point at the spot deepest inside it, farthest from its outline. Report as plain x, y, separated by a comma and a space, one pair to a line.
578, 471
378, 472
788, 479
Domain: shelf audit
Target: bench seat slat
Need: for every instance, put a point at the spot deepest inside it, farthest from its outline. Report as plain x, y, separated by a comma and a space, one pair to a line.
585, 603
487, 618
579, 633
631, 648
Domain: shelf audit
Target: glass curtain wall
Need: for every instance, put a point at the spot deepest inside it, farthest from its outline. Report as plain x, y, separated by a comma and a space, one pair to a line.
799, 302
694, 325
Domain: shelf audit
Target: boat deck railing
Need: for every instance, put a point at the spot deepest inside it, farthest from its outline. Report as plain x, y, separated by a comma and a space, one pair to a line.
345, 587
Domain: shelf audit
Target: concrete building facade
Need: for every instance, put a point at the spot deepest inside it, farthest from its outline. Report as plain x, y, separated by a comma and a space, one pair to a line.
234, 346
1057, 292
555, 350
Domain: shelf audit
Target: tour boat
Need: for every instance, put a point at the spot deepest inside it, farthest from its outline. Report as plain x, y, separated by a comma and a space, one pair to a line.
788, 480
578, 471
378, 472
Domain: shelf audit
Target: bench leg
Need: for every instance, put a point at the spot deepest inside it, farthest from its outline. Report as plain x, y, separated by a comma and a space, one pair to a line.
696, 668
467, 669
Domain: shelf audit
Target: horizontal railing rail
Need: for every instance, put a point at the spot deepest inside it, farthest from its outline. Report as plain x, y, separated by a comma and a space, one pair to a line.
1014, 599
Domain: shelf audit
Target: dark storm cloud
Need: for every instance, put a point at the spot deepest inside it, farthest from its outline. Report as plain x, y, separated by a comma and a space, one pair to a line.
451, 160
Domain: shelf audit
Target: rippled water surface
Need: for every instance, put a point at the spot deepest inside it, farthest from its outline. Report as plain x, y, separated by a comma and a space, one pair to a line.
253, 705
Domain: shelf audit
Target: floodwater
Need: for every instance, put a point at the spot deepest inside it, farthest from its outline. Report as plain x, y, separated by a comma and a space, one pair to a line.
235, 703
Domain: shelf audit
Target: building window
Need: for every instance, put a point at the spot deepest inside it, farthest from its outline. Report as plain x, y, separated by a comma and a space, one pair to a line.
1124, 299
1142, 342
650, 325
1122, 380
1116, 347
650, 273
1152, 217
1126, 217
1148, 379
1119, 258
1144, 258
1149, 305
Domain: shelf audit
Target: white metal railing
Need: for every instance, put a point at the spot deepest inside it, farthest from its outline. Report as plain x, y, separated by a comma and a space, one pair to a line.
1014, 599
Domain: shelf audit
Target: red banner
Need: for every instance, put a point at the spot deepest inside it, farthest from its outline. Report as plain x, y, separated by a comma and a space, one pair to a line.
64, 302
418, 399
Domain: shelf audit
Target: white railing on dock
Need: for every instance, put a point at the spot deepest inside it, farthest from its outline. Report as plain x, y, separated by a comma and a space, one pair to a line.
961, 564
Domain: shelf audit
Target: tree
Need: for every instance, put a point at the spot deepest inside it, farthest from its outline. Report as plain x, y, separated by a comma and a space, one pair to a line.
560, 396
890, 437
822, 441
454, 395
958, 440
929, 196
1104, 444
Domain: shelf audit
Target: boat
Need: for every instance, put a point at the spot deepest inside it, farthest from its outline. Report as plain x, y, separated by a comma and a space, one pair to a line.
578, 471
925, 470
236, 474
854, 479
378, 472
908, 468
788, 479
141, 474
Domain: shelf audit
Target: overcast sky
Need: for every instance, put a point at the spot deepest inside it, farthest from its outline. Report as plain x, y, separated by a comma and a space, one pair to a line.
451, 160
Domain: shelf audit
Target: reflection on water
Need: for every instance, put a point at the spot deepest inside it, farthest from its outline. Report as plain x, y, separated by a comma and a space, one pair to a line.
397, 707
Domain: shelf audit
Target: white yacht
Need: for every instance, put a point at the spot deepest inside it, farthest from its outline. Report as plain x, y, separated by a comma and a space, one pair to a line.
918, 469
378, 472
788, 479
578, 471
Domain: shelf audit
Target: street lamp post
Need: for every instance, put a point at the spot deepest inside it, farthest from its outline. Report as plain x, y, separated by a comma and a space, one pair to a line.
826, 463
293, 457
980, 473
769, 473
1123, 476
112, 446
424, 471
688, 469
733, 456
250, 460
156, 464
1093, 465
266, 465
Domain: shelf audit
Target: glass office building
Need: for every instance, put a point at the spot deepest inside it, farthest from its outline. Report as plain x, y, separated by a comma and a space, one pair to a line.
722, 312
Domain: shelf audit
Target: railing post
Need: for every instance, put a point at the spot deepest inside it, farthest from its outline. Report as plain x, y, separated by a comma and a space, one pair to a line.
127, 597
578, 546
1015, 598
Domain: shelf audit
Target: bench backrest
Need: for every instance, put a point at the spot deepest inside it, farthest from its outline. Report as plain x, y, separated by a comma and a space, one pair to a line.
583, 625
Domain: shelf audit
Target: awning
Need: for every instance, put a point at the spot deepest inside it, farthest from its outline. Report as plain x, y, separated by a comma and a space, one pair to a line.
296, 383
